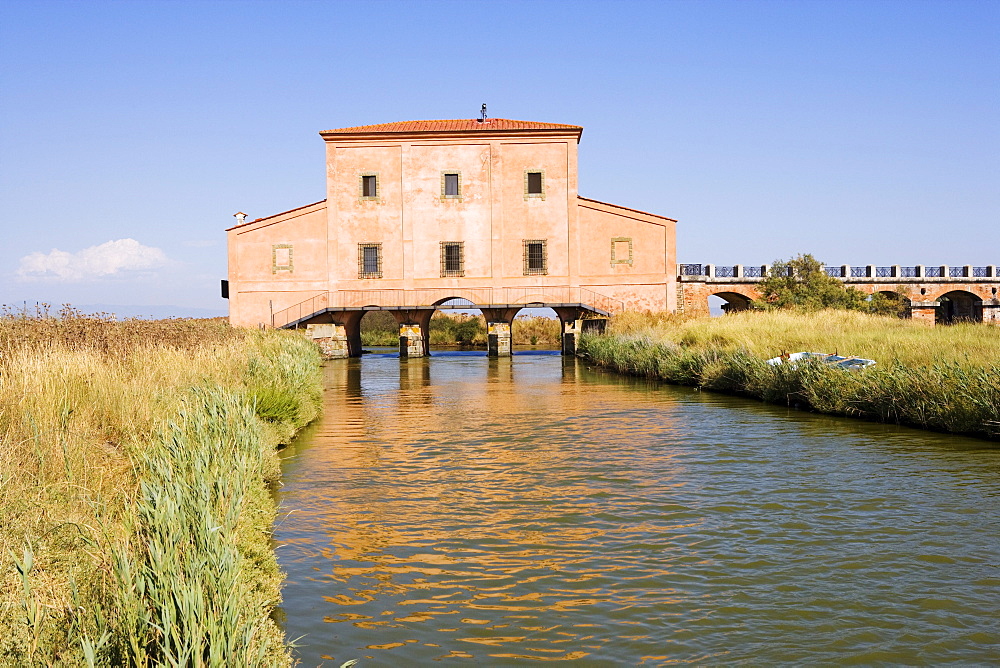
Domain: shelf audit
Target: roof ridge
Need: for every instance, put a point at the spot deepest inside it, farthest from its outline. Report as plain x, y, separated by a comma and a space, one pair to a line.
452, 125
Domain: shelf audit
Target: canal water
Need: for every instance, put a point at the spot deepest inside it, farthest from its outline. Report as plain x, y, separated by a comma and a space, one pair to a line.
465, 511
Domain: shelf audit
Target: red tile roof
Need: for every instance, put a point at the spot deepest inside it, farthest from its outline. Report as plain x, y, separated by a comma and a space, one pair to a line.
257, 220
459, 125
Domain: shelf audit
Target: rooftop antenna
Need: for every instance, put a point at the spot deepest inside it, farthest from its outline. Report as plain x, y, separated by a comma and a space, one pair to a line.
482, 114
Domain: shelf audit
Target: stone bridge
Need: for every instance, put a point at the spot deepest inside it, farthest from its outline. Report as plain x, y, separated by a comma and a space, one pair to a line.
934, 294
333, 318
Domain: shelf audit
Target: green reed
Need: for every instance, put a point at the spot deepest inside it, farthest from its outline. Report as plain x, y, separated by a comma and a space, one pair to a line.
950, 396
135, 510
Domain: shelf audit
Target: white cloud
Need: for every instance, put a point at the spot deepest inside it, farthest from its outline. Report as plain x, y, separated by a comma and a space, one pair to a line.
108, 259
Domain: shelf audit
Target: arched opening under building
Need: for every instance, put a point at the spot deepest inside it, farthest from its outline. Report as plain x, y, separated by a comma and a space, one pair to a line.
959, 306
536, 328
722, 303
893, 303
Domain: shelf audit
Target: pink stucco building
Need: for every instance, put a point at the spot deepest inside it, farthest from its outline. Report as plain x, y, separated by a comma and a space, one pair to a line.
421, 211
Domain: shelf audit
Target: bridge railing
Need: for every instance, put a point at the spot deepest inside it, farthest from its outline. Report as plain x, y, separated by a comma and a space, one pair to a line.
869, 271
433, 297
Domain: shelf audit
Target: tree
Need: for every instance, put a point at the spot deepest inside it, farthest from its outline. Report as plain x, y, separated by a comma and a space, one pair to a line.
802, 283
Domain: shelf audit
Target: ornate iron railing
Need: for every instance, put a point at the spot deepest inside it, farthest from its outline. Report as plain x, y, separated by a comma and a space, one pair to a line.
933, 272
692, 270
725, 271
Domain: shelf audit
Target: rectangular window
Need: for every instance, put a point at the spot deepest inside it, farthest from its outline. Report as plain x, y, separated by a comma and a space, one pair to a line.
281, 258
621, 250
369, 186
369, 260
451, 188
535, 260
452, 258
534, 184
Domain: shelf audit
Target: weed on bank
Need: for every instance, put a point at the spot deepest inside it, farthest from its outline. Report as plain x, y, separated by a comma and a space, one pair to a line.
941, 378
135, 514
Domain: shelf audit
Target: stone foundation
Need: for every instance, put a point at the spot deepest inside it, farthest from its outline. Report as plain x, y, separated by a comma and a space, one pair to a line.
498, 339
331, 339
411, 340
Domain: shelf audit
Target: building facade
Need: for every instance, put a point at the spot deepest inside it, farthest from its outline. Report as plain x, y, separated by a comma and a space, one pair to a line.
447, 208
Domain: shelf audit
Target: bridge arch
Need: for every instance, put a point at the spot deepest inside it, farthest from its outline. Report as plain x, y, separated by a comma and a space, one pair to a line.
735, 299
898, 297
959, 306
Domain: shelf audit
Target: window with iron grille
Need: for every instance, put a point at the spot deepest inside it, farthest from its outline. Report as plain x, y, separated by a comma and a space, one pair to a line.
534, 183
535, 260
452, 258
370, 260
451, 185
369, 185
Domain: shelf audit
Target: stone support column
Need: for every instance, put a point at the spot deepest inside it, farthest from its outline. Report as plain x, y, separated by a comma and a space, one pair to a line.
570, 319
498, 334
414, 331
411, 340
339, 338
331, 339
991, 311
498, 339
923, 312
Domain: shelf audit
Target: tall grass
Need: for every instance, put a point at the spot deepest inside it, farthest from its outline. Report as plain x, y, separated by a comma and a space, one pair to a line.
134, 508
944, 378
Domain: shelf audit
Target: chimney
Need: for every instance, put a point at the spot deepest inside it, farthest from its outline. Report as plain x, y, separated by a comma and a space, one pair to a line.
240, 217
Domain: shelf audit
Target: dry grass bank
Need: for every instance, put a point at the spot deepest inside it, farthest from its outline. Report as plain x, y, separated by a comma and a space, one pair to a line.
942, 378
134, 458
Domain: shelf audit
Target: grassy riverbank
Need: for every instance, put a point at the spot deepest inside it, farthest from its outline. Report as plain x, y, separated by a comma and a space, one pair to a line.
941, 378
134, 499
379, 328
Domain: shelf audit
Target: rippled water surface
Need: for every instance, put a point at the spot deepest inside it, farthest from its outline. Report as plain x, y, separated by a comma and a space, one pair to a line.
470, 511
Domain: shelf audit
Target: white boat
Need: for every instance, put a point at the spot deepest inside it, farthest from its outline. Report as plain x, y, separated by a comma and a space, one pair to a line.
849, 363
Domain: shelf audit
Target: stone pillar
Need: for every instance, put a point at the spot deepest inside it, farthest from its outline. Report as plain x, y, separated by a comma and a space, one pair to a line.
991, 311
414, 331
571, 330
411, 340
570, 319
498, 339
923, 312
331, 338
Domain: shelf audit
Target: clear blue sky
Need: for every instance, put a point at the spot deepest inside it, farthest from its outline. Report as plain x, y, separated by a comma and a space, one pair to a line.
863, 132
